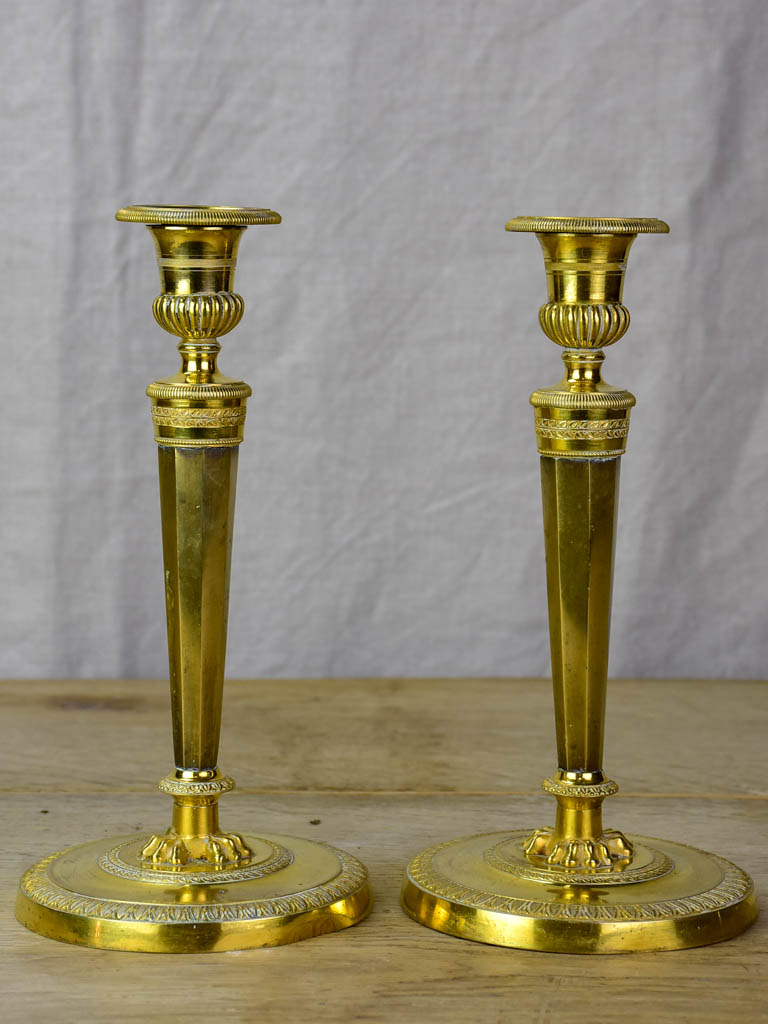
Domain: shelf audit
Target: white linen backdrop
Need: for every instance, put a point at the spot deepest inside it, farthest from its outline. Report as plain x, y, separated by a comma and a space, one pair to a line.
388, 518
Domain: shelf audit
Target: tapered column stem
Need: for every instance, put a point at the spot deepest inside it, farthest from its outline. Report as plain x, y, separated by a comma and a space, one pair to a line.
579, 499
197, 501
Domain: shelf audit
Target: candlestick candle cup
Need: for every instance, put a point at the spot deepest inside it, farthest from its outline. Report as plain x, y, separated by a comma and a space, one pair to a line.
577, 886
196, 887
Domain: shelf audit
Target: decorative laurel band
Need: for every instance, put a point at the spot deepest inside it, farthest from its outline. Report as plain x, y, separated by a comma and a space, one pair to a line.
37, 886
590, 225
581, 430
659, 865
198, 417
198, 216
189, 787
584, 325
279, 858
732, 888
200, 315
598, 789
198, 392
559, 398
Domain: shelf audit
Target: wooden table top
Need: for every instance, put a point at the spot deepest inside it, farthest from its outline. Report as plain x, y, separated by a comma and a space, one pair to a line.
382, 768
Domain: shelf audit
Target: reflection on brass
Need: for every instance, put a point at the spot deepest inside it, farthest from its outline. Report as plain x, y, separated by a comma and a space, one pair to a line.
196, 887
578, 886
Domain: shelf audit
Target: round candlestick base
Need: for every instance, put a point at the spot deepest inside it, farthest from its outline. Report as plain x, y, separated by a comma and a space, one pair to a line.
671, 896
101, 894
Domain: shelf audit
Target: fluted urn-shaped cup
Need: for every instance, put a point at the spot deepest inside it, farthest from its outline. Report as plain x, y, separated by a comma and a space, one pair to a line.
196, 886
577, 886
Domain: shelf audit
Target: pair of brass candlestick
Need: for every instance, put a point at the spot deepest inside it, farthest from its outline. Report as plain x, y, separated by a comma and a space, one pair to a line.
577, 887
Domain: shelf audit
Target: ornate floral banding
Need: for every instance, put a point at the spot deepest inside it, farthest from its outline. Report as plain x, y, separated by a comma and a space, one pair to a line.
196, 787
228, 418
198, 416
597, 789
733, 887
581, 430
37, 885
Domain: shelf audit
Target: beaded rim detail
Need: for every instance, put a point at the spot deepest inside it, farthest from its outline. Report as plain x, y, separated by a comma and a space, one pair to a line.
558, 398
171, 391
198, 216
589, 225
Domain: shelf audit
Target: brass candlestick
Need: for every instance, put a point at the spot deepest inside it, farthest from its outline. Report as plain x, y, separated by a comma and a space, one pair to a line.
579, 887
196, 887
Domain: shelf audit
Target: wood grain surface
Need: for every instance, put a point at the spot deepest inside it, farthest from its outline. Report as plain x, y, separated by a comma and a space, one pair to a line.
382, 768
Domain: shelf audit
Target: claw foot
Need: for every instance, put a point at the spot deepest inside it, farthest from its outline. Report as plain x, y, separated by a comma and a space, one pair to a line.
171, 849
611, 849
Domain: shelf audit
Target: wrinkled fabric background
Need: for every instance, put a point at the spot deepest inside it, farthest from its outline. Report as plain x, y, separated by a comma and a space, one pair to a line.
388, 517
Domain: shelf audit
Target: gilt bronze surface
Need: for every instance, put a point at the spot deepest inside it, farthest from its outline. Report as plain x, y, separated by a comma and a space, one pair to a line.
577, 886
195, 887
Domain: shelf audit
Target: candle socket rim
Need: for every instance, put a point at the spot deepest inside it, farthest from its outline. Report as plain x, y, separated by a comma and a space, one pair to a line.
590, 225
198, 216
